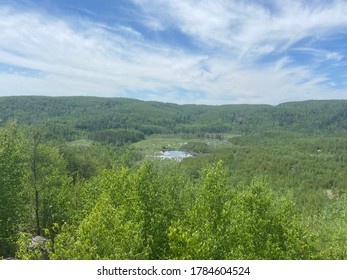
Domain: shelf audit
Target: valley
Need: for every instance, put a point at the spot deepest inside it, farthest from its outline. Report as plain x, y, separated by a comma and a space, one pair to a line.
91, 177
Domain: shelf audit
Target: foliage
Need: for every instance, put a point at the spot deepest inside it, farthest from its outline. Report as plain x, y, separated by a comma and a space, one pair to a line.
47, 186
109, 226
12, 176
76, 117
27, 249
228, 223
331, 225
118, 136
196, 147
71, 172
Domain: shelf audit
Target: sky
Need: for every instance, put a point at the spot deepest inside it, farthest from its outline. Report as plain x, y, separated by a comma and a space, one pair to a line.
180, 51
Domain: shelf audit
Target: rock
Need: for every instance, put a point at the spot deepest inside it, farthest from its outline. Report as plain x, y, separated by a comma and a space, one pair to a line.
37, 242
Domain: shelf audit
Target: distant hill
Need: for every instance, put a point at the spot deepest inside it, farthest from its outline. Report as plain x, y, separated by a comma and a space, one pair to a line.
71, 117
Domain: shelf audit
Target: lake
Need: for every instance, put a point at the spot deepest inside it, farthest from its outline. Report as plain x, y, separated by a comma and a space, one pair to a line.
175, 154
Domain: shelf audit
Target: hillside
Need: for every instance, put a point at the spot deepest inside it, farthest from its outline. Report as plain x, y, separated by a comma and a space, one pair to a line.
71, 117
83, 174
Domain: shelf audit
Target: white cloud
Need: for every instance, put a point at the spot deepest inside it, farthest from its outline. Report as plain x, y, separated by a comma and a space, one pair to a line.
321, 55
247, 26
76, 57
87, 60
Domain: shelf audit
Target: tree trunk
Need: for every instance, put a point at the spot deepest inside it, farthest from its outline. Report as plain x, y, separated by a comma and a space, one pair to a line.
37, 138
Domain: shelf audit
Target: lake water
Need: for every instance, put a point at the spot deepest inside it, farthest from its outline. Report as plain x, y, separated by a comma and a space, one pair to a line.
177, 155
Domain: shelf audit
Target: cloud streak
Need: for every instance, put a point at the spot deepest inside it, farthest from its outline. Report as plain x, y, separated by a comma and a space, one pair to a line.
88, 59
248, 25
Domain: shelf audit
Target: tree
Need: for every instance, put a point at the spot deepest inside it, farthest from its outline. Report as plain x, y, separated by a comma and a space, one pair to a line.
12, 175
265, 225
200, 233
227, 222
155, 212
49, 187
110, 223
105, 233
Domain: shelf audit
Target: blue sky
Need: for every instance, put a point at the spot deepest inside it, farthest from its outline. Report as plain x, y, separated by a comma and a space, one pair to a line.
181, 51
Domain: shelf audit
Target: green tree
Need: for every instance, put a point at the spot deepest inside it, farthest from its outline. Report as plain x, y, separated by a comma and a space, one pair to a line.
151, 194
268, 226
250, 222
110, 223
200, 232
12, 175
331, 225
48, 189
105, 233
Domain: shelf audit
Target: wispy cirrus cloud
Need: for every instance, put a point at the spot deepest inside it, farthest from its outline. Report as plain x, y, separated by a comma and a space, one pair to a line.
320, 55
85, 59
250, 25
243, 33
210, 52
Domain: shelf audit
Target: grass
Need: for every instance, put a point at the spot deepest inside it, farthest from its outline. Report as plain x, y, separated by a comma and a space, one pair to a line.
154, 144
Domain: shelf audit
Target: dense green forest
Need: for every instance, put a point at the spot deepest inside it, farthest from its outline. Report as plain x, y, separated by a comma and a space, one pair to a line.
80, 179
75, 117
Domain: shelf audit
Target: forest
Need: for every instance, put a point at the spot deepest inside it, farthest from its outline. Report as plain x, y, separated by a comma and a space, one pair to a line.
81, 179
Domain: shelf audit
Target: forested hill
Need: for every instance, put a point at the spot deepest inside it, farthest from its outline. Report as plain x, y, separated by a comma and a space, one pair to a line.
70, 117
73, 186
